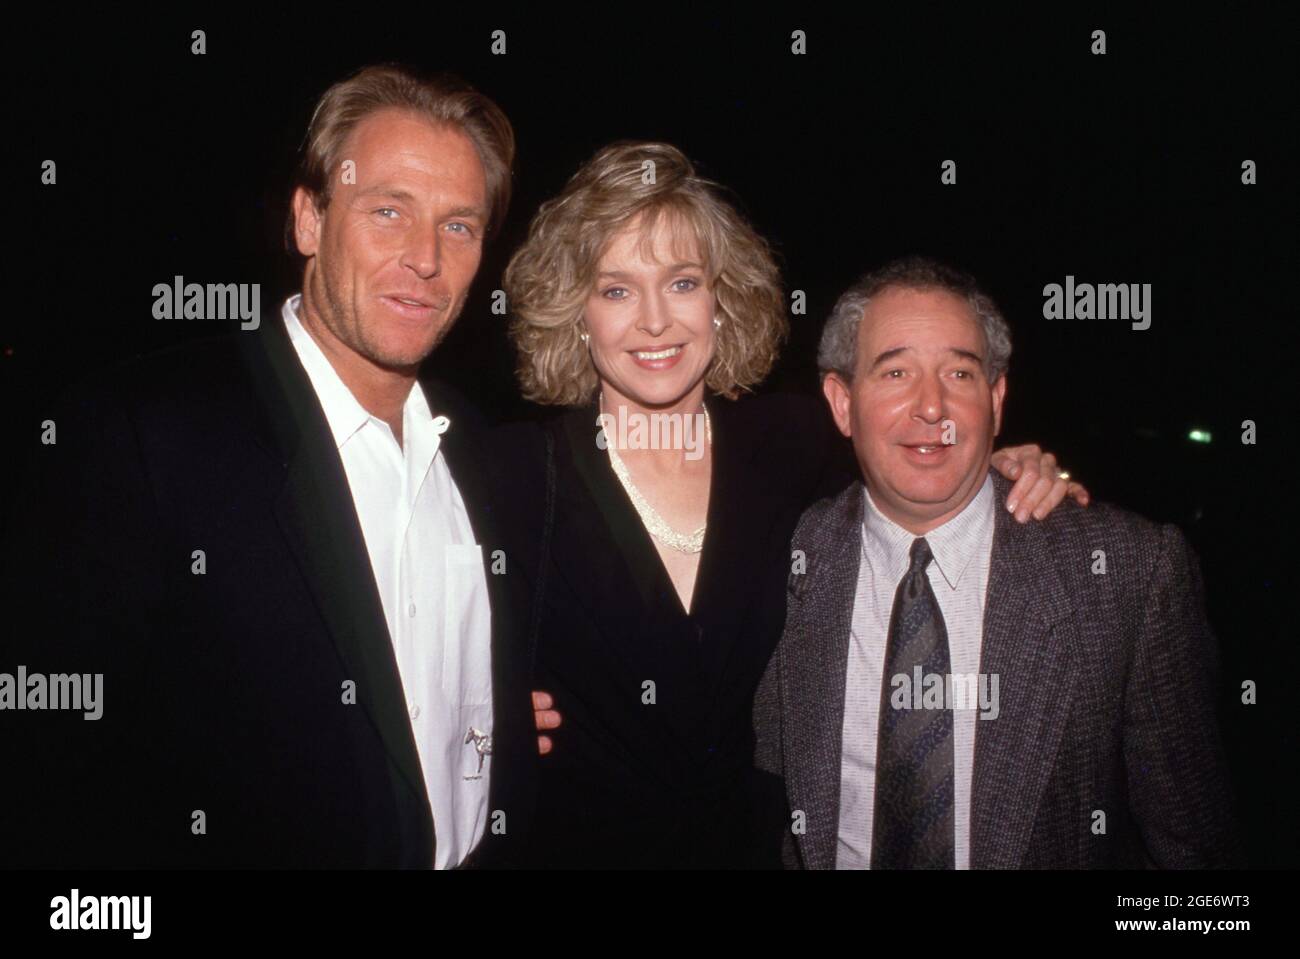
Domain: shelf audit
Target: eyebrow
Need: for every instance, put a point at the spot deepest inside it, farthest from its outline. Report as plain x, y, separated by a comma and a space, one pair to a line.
888, 355
395, 194
674, 268
388, 192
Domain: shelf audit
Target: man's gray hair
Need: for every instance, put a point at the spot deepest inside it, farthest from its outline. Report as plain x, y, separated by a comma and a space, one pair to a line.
839, 344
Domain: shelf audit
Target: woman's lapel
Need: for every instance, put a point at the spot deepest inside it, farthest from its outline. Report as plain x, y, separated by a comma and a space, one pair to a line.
738, 519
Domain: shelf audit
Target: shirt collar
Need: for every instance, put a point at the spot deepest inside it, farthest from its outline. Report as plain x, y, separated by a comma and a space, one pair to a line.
953, 545
342, 411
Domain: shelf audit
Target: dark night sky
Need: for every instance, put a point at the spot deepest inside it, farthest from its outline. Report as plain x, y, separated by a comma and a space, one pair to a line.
1123, 168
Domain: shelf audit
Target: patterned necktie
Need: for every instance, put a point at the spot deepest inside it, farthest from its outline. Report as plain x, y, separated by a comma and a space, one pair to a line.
912, 825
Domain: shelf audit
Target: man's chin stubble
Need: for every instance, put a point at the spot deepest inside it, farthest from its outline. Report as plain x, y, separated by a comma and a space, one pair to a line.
406, 365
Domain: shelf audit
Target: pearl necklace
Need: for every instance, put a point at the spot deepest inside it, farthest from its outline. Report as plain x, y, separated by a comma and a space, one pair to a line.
654, 523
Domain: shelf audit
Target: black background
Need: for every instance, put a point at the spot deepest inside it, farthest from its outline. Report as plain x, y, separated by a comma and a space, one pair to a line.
1123, 168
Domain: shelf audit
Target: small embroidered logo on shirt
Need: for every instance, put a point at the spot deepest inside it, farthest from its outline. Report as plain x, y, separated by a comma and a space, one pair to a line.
483, 744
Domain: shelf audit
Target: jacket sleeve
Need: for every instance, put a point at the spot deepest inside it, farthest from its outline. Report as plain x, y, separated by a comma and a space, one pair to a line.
767, 720
772, 805
1177, 774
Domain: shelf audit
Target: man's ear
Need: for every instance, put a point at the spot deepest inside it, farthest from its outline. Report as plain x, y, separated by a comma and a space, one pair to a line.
999, 391
306, 222
839, 395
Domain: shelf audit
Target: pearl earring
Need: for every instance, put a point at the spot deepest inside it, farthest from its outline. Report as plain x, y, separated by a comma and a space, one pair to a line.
717, 323
585, 337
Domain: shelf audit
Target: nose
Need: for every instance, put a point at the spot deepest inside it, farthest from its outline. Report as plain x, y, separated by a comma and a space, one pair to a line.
929, 405
423, 254
653, 317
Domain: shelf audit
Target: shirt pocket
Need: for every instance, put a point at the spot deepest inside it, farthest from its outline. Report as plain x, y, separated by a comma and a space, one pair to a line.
467, 628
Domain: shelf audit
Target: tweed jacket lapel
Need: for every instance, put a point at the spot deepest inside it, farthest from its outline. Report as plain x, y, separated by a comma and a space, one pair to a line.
1029, 644
813, 670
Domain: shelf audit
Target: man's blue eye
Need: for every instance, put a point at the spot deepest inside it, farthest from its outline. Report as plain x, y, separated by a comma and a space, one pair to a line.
386, 209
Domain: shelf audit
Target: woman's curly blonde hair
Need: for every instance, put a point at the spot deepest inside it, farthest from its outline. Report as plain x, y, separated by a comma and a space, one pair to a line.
550, 277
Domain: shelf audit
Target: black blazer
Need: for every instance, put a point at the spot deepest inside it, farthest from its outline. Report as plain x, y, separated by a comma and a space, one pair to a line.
224, 692
630, 783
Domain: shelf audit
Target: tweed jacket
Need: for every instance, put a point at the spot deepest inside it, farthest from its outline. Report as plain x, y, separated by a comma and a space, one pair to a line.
1105, 752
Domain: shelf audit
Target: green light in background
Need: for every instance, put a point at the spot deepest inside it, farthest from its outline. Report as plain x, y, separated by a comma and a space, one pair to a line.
1199, 436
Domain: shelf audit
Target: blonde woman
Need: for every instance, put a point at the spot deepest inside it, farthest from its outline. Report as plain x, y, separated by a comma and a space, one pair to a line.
662, 549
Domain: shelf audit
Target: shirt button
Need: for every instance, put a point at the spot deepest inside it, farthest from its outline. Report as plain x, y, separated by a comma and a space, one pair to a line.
415, 712
411, 609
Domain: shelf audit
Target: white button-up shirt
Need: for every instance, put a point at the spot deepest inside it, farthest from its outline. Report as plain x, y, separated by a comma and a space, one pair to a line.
959, 576
432, 584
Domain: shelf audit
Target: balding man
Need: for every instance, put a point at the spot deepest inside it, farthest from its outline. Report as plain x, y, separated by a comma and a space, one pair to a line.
957, 690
